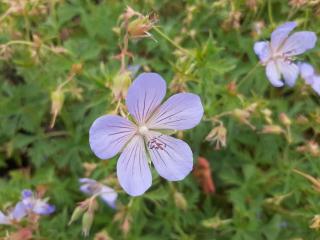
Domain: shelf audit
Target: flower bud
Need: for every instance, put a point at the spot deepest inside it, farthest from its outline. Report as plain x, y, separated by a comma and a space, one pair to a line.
121, 84
267, 115
77, 213
273, 129
315, 222
284, 119
180, 200
302, 120
57, 99
87, 221
139, 27
77, 68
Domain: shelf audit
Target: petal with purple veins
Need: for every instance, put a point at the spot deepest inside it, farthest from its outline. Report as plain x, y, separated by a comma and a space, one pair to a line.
145, 95
273, 74
179, 112
280, 34
132, 168
108, 135
298, 43
172, 158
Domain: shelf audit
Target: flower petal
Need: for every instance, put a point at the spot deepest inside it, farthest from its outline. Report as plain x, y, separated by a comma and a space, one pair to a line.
316, 84
306, 71
299, 42
273, 74
4, 219
132, 168
19, 211
262, 50
145, 95
26, 193
43, 208
290, 72
90, 187
280, 34
109, 134
109, 196
181, 111
172, 158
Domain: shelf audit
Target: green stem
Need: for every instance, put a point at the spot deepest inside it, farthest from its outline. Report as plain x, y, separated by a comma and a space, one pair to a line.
31, 44
270, 12
162, 34
247, 75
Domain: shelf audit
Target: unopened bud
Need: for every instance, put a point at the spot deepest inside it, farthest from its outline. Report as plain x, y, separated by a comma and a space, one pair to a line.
180, 200
284, 119
315, 222
87, 221
139, 27
267, 115
77, 68
57, 99
302, 120
121, 83
241, 115
77, 213
273, 129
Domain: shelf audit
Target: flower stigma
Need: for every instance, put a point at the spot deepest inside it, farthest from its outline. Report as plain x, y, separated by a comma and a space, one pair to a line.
143, 130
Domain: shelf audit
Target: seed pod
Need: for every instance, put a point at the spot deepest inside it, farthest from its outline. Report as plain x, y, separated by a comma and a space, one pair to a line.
180, 200
57, 99
77, 213
87, 221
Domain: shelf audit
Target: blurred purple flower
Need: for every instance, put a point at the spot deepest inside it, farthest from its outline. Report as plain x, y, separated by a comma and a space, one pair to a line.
92, 187
32, 204
278, 54
145, 139
28, 204
311, 78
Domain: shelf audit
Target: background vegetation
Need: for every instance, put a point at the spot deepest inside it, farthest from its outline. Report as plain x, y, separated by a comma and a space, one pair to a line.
58, 57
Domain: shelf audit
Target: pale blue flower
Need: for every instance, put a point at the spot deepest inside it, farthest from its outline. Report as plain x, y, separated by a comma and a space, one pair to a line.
144, 137
92, 187
29, 204
278, 54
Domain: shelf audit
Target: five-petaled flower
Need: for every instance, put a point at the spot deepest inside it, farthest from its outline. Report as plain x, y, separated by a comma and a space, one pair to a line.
29, 204
143, 138
278, 54
309, 75
94, 188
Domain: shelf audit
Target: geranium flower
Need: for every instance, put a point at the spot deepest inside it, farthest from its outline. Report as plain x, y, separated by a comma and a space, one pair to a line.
143, 139
29, 204
92, 187
278, 54
309, 75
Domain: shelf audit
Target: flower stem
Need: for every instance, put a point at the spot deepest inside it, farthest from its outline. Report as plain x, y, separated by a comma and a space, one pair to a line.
162, 34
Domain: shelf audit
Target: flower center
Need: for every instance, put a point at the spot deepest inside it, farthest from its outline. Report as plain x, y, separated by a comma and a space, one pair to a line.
143, 130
